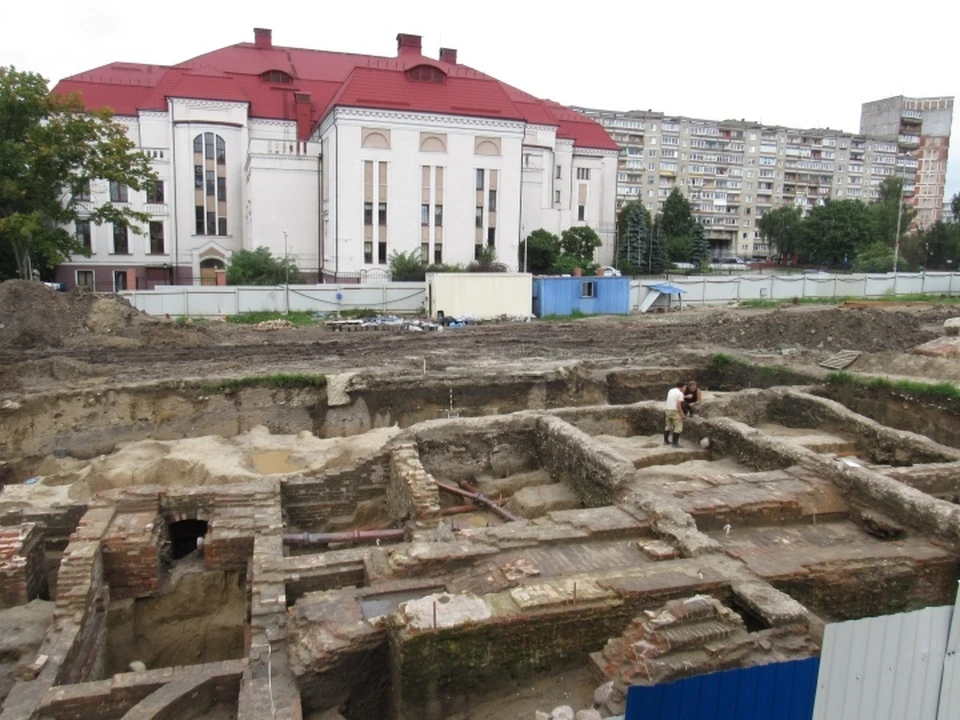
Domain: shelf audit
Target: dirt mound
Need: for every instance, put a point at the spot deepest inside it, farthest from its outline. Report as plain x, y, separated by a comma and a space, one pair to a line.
33, 315
830, 329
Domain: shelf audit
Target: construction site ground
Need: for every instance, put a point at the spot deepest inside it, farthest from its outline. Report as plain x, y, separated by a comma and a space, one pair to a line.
50, 341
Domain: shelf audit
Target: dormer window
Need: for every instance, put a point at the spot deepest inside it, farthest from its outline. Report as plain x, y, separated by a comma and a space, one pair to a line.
276, 76
426, 73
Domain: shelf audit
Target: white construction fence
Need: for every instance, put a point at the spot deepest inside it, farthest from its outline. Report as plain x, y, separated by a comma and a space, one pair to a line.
214, 301
713, 289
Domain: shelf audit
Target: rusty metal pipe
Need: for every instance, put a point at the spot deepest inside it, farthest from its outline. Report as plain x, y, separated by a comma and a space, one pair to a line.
458, 509
480, 498
346, 536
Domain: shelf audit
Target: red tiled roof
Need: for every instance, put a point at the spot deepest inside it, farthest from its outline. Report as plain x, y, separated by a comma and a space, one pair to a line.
333, 80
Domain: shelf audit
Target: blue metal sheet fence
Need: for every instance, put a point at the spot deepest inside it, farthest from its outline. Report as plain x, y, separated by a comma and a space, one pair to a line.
781, 691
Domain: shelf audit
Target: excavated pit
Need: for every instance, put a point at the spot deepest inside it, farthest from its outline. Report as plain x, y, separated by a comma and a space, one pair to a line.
402, 546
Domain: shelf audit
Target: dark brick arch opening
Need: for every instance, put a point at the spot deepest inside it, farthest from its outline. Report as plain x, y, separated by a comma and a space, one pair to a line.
184, 535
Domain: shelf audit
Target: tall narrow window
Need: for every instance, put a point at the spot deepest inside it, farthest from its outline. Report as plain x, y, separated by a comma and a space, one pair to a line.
581, 212
368, 213
479, 218
210, 183
425, 214
559, 172
493, 201
83, 194
118, 192
382, 251
156, 237
491, 236
83, 234
120, 240
382, 214
155, 192
438, 215
479, 179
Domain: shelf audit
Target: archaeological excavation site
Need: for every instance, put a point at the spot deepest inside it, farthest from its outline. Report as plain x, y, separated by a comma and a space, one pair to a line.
202, 521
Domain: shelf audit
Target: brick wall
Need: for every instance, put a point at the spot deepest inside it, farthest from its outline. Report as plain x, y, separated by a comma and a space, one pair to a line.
23, 574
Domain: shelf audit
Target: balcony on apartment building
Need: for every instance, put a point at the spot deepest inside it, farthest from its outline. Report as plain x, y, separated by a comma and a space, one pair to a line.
913, 117
909, 140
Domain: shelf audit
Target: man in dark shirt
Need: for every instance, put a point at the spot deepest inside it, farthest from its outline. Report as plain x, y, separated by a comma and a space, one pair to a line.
691, 397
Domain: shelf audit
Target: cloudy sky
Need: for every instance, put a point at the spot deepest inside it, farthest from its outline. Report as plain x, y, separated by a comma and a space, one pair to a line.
807, 64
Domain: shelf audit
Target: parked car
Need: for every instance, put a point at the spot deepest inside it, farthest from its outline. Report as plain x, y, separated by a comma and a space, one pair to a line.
610, 271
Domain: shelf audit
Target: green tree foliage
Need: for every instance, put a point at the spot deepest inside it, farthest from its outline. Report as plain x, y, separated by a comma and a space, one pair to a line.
885, 211
633, 235
699, 247
543, 251
874, 258
936, 249
639, 246
781, 228
260, 267
407, 267
679, 249
580, 243
50, 150
676, 219
486, 261
955, 207
835, 232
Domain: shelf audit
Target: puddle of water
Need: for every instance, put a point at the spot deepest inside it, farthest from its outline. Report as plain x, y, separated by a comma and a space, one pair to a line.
376, 605
478, 519
273, 461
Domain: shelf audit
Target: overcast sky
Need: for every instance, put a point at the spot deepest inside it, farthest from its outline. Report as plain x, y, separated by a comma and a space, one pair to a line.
807, 64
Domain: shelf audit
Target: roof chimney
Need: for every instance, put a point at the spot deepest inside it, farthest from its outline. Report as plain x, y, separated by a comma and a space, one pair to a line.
304, 107
408, 44
448, 55
262, 38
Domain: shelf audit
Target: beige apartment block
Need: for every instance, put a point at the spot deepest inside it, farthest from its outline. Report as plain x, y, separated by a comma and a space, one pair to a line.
735, 171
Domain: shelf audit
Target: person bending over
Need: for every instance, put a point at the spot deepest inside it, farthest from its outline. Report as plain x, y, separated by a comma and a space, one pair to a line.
674, 415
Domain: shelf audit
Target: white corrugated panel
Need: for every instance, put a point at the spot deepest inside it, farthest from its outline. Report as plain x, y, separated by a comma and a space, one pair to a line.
885, 668
950, 687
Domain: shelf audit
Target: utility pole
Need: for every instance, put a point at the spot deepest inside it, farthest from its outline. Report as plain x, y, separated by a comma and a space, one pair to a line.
896, 246
286, 269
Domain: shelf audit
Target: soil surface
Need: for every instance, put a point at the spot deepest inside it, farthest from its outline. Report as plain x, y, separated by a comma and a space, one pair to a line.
49, 340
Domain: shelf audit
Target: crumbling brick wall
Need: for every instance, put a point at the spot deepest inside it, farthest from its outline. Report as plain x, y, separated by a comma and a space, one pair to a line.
23, 574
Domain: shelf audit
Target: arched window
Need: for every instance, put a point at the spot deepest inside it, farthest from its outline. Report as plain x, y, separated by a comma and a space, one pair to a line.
276, 76
426, 73
210, 184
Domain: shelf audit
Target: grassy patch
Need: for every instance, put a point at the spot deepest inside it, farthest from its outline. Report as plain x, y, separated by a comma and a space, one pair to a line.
280, 380
300, 318
575, 315
936, 391
721, 361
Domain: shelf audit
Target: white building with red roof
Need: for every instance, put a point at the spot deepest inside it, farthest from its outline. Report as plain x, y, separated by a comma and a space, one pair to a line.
339, 160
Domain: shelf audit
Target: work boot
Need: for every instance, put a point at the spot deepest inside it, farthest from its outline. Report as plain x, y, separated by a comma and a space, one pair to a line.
676, 440
666, 437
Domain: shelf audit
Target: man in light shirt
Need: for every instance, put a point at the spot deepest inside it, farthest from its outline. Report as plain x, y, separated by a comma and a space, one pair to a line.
674, 410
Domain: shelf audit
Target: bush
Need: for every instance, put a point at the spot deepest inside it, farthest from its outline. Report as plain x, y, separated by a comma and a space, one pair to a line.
260, 267
486, 261
566, 264
543, 252
875, 258
679, 249
407, 267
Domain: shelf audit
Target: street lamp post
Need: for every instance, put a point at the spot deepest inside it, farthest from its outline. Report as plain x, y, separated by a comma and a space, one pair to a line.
286, 269
896, 246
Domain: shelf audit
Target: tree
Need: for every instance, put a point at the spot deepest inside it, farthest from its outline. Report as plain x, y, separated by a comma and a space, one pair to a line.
835, 232
781, 228
886, 209
50, 150
580, 243
699, 247
939, 246
543, 251
260, 267
679, 249
633, 235
955, 207
676, 220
